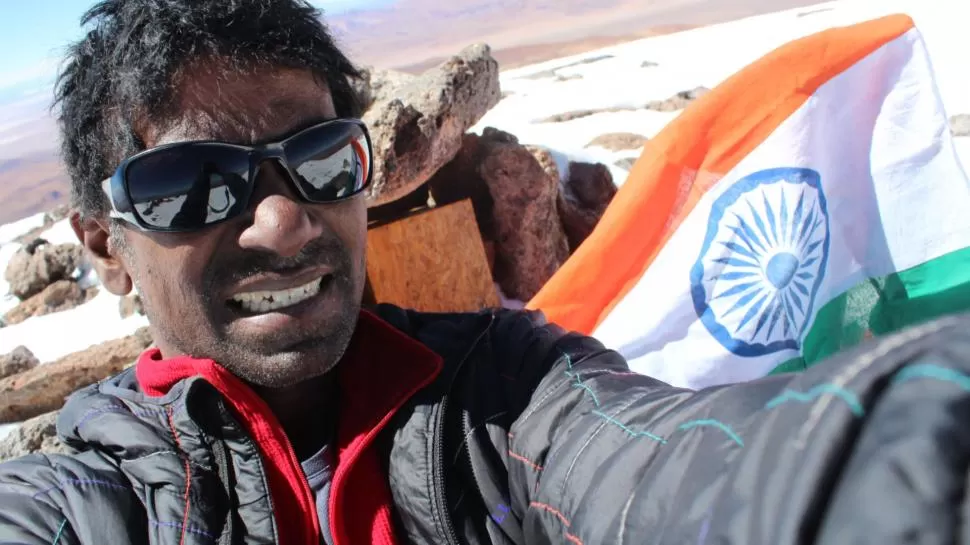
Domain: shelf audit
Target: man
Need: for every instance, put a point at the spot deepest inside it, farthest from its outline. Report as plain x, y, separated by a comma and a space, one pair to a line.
275, 410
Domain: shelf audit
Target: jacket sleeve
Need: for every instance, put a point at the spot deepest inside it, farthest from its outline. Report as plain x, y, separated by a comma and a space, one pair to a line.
61, 500
871, 446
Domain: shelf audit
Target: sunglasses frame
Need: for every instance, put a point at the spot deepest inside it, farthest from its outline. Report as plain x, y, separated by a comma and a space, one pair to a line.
121, 203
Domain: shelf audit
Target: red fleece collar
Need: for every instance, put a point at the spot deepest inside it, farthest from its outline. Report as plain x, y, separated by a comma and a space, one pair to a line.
380, 371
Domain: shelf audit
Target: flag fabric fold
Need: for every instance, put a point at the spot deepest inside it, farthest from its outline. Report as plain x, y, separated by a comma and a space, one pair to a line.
811, 200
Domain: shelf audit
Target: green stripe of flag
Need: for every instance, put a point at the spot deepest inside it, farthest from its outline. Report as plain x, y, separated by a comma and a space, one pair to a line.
883, 305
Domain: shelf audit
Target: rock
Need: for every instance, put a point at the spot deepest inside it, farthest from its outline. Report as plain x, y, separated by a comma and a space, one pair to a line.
618, 141
19, 360
579, 114
459, 180
44, 388
36, 266
570, 77
626, 163
546, 161
678, 101
38, 434
56, 214
514, 190
530, 242
130, 305
960, 125
553, 72
377, 85
59, 296
584, 196
419, 129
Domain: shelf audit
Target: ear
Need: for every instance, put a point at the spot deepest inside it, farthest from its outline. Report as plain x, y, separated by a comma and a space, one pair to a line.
95, 237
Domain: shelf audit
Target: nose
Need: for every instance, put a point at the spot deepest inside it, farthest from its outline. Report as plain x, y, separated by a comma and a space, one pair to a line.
282, 223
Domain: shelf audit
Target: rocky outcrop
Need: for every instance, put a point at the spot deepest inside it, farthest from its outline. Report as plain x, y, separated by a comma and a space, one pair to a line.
626, 163
530, 242
44, 388
585, 194
377, 85
417, 128
17, 361
130, 305
514, 191
59, 296
579, 114
38, 434
545, 160
679, 101
618, 141
39, 264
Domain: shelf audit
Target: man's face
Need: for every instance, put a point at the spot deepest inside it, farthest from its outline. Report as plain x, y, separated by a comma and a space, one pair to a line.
194, 285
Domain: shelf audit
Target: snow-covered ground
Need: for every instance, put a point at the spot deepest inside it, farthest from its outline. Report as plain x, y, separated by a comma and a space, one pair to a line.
622, 76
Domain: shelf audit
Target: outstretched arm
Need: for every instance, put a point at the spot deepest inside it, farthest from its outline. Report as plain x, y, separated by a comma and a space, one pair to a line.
870, 447
60, 500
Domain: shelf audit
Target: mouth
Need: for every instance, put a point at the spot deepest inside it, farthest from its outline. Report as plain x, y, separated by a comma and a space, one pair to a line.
265, 301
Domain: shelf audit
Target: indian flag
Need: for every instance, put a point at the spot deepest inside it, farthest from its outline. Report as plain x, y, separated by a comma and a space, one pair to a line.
810, 201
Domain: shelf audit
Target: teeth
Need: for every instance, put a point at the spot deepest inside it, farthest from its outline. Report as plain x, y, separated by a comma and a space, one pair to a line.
266, 301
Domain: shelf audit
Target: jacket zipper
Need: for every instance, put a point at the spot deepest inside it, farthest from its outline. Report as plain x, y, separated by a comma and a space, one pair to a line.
222, 463
439, 447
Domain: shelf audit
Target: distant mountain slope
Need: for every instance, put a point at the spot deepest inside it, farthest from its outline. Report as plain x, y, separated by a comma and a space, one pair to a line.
408, 34
412, 31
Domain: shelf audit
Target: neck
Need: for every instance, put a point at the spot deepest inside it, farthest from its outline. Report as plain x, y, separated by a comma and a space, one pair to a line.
307, 411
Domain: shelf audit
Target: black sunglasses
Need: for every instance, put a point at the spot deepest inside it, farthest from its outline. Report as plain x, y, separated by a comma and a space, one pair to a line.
190, 185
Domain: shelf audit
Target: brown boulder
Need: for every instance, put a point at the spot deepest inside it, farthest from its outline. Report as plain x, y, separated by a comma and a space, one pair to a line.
19, 360
459, 180
419, 128
59, 296
130, 305
39, 264
618, 141
626, 163
678, 101
530, 242
44, 388
377, 85
38, 434
546, 160
585, 195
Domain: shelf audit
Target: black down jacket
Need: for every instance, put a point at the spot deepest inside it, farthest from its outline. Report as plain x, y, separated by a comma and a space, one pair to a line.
530, 435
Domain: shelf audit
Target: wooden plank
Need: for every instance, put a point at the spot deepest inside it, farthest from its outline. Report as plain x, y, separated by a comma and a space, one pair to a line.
433, 261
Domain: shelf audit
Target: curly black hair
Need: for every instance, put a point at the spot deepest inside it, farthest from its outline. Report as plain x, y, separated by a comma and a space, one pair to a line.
128, 64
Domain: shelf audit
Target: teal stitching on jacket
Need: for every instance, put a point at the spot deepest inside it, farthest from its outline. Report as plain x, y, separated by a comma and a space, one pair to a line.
713, 423
849, 397
630, 432
577, 383
60, 532
928, 370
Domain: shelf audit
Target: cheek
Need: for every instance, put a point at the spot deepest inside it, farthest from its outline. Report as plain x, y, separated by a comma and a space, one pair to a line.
170, 279
348, 220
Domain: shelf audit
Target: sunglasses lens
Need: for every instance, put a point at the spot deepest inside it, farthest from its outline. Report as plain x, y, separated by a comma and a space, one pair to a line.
332, 162
188, 187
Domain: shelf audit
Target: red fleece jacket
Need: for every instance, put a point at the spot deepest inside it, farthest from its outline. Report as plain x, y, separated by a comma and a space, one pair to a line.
380, 371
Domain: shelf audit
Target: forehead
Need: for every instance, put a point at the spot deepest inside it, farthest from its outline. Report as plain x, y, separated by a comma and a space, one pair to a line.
244, 106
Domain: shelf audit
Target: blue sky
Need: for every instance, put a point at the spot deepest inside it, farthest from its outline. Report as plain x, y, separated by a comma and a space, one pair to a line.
34, 33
